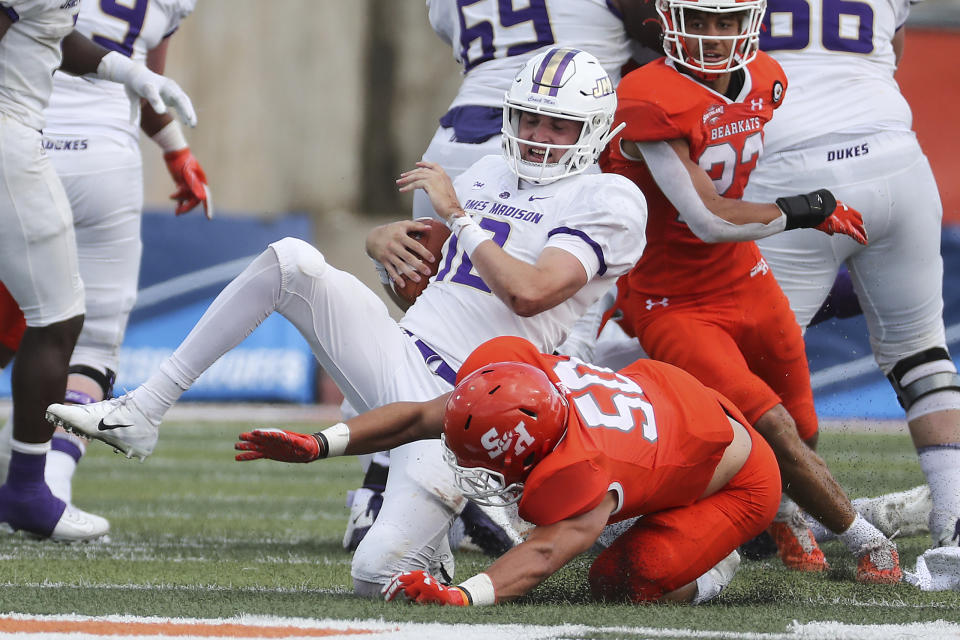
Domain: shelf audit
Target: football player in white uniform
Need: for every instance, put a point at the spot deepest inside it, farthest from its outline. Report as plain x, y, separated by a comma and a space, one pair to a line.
491, 41
38, 254
92, 138
536, 240
836, 56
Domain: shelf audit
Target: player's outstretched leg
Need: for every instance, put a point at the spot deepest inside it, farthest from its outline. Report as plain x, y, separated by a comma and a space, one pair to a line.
130, 423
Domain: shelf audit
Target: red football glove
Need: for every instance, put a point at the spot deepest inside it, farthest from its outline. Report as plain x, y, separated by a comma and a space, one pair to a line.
191, 182
277, 444
845, 220
423, 588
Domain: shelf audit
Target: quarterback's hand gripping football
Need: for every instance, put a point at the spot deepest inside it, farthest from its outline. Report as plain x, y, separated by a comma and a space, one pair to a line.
846, 220
191, 182
279, 444
156, 89
395, 247
422, 588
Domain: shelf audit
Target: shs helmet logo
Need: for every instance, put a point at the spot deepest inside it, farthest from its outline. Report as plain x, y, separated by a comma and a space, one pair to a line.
496, 445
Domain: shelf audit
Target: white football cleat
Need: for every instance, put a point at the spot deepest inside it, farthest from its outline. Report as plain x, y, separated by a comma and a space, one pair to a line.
76, 525
710, 584
364, 508
905, 513
119, 422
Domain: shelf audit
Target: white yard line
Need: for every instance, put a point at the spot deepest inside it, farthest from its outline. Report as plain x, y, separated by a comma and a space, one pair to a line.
73, 627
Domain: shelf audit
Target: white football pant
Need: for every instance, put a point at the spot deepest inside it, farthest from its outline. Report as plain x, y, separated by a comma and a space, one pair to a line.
898, 277
38, 252
104, 184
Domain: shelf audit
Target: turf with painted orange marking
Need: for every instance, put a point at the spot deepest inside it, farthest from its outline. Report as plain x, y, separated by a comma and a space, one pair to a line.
102, 627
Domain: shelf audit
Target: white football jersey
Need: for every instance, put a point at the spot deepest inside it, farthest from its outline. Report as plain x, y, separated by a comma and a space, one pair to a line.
492, 40
839, 62
599, 218
29, 53
93, 106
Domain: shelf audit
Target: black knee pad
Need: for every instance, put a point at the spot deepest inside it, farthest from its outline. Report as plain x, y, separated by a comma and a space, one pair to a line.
944, 380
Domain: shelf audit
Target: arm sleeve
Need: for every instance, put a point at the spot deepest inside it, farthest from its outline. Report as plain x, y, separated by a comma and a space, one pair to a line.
672, 178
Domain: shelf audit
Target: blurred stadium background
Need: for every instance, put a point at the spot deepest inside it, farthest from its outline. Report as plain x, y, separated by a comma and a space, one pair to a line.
309, 109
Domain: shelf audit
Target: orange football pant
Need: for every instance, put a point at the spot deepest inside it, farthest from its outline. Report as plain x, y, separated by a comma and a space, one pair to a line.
743, 341
663, 551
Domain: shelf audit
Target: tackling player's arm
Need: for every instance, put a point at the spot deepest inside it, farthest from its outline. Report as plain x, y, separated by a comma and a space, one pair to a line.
528, 289
380, 429
546, 550
715, 218
516, 572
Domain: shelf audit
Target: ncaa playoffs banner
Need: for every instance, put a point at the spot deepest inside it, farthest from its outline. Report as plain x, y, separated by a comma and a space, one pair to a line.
186, 262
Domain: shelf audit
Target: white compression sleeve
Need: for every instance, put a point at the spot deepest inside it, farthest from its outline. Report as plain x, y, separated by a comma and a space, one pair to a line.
672, 178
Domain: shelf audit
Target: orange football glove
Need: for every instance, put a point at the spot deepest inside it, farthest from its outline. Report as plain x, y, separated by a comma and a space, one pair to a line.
846, 220
423, 588
279, 444
191, 182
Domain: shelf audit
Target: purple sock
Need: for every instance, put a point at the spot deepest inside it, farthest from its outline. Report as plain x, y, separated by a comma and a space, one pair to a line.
25, 500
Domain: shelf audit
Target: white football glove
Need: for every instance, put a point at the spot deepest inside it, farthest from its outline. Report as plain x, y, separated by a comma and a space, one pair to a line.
158, 90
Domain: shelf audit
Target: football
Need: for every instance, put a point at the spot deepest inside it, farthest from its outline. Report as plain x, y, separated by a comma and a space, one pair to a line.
433, 239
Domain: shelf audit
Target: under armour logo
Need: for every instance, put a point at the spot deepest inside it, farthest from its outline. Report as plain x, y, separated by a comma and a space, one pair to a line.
761, 268
662, 302
477, 185
756, 104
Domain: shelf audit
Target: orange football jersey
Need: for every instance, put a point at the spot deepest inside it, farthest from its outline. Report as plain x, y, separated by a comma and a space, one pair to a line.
725, 136
650, 432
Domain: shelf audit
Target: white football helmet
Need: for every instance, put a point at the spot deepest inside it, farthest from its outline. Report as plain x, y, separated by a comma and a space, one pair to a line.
676, 36
561, 83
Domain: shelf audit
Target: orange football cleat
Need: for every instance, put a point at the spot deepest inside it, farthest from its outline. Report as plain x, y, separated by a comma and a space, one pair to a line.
796, 545
879, 563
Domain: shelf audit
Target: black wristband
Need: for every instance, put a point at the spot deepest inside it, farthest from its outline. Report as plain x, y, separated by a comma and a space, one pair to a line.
808, 209
322, 443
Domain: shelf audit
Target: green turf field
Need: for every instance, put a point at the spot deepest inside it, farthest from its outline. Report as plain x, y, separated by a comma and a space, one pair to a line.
196, 534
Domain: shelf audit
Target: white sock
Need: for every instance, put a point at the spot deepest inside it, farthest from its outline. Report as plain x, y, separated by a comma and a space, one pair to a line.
941, 466
232, 316
6, 435
859, 534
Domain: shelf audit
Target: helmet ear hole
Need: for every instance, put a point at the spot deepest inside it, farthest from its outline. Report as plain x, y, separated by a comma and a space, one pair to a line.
528, 412
466, 425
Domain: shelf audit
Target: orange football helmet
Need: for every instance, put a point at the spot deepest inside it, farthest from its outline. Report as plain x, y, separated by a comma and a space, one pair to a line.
498, 424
